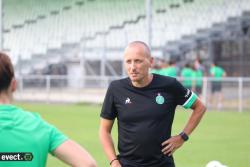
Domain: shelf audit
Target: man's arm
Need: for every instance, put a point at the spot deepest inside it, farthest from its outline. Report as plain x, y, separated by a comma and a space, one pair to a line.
224, 74
74, 155
107, 141
175, 142
198, 111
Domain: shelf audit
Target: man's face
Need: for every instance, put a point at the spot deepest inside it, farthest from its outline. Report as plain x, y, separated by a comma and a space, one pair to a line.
137, 63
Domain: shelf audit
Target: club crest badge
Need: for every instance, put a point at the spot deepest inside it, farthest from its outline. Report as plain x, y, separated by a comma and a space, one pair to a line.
127, 101
159, 99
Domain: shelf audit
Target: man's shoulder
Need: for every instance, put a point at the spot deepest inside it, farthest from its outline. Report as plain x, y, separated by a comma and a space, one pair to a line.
119, 82
28, 117
164, 79
165, 82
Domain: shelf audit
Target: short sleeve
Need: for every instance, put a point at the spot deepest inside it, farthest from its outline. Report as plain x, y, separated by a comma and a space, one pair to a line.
108, 108
211, 71
184, 96
56, 138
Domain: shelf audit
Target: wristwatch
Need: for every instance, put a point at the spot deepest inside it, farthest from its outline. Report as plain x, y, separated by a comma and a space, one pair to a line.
184, 136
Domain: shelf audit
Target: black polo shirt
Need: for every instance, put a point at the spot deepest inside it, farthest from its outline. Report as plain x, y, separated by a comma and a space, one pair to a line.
145, 116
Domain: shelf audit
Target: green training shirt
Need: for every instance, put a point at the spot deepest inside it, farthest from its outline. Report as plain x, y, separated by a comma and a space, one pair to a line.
217, 72
25, 138
187, 74
155, 71
169, 71
197, 75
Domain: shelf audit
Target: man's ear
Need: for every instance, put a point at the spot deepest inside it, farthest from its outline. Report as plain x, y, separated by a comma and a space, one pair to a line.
13, 85
151, 61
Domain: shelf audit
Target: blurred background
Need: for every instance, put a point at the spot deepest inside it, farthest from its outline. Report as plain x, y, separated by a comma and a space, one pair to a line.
77, 45
68, 51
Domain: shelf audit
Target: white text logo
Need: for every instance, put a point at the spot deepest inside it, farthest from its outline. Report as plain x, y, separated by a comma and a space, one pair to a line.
128, 101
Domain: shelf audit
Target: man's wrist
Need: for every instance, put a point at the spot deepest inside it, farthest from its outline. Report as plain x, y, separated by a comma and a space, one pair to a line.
113, 160
184, 136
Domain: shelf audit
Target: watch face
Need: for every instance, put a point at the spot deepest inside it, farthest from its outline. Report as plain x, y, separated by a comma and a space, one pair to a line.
184, 136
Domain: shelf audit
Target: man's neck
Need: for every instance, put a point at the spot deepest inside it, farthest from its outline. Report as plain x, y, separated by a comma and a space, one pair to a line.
4, 99
146, 81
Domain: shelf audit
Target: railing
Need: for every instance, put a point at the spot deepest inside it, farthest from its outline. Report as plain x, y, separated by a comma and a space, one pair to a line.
235, 91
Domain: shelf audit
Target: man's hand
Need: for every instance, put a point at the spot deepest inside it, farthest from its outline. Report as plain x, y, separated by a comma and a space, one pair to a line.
116, 163
172, 144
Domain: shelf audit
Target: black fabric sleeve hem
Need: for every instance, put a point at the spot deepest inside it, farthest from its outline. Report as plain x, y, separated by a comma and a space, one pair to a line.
106, 117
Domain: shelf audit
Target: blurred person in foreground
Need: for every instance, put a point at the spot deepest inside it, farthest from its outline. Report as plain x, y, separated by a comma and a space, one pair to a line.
26, 139
144, 105
217, 73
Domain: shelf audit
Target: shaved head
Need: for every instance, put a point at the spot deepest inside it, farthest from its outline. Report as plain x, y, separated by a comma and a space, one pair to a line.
138, 60
140, 45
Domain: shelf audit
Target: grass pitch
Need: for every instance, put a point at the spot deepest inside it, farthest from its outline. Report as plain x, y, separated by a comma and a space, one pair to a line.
223, 136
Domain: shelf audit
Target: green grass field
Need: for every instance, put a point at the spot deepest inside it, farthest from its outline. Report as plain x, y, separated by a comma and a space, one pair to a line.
223, 136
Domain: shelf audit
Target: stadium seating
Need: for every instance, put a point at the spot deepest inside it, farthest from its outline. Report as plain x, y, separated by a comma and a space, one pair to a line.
62, 28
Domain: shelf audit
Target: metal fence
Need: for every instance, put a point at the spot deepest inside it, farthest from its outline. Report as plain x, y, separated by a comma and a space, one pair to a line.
234, 94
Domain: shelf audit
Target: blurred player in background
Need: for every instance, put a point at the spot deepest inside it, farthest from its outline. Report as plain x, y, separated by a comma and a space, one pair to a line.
170, 70
198, 80
217, 73
187, 74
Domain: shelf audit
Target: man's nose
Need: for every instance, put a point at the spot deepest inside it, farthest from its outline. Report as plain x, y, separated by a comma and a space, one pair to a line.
133, 65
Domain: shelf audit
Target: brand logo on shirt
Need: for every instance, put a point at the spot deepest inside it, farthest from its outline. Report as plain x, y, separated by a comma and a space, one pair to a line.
188, 92
159, 99
16, 156
128, 101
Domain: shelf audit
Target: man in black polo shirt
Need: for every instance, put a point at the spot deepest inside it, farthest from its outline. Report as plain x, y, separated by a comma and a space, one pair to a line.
144, 105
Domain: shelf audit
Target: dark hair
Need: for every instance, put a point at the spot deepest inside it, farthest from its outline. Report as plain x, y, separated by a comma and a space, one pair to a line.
187, 65
172, 61
6, 71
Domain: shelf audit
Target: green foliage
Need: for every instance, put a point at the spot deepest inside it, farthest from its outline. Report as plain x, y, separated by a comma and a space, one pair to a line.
222, 136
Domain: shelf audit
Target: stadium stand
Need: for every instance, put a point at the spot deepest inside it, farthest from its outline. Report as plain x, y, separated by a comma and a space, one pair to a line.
46, 32
60, 47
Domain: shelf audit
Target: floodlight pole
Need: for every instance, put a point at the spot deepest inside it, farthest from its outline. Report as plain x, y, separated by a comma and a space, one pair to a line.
149, 4
82, 62
103, 62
